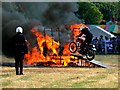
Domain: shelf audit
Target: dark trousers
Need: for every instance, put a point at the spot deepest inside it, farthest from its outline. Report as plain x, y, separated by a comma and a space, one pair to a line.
19, 63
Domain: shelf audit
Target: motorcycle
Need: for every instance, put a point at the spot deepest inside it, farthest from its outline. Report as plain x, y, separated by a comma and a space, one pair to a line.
89, 50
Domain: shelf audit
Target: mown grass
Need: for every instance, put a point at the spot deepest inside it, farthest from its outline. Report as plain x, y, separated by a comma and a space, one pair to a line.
5, 76
69, 77
6, 83
61, 78
108, 59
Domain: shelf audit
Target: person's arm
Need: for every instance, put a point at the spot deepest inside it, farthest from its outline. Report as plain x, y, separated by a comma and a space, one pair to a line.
25, 46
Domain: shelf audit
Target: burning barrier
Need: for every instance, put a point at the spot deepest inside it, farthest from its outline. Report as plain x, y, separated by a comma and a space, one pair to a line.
49, 52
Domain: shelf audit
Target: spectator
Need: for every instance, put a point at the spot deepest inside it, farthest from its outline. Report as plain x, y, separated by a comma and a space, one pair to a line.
110, 48
107, 41
95, 42
101, 45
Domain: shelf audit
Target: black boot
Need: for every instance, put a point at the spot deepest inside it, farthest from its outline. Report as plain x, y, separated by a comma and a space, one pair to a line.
17, 71
16, 68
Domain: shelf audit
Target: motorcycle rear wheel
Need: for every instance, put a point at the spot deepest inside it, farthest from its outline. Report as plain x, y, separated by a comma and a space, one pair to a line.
90, 55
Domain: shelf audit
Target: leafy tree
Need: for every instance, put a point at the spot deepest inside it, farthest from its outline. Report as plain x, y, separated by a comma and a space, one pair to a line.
108, 9
118, 11
89, 12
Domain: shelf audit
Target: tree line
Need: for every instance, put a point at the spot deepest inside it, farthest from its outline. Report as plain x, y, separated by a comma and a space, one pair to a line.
98, 12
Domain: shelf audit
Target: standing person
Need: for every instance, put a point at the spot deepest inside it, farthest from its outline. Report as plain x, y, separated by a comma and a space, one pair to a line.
107, 41
95, 42
20, 49
111, 45
101, 45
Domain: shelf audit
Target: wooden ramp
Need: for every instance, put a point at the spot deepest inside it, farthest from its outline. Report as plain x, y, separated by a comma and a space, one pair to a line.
86, 63
100, 64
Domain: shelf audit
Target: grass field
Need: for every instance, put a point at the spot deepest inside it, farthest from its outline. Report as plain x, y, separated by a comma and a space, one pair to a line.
63, 77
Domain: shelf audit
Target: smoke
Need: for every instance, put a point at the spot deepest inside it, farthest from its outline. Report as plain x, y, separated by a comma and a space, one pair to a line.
60, 13
50, 14
34, 14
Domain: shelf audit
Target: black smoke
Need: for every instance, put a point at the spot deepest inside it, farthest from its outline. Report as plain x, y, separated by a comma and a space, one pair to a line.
34, 14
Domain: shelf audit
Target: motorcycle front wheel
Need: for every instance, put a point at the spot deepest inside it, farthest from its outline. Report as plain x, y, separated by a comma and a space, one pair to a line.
90, 55
72, 47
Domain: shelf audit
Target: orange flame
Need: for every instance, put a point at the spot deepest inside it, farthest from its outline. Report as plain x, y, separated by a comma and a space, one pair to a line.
66, 50
76, 29
47, 46
47, 50
46, 41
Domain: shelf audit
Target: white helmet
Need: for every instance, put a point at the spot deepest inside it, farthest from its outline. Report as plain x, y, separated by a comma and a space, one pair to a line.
19, 29
81, 28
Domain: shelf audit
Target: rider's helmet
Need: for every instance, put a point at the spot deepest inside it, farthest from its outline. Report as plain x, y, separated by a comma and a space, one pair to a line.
81, 28
19, 29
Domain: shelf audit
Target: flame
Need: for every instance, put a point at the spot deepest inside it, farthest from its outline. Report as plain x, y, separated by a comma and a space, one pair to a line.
66, 50
76, 29
34, 56
46, 42
47, 49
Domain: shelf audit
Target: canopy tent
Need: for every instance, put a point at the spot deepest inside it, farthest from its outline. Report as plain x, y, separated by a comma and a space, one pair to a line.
113, 28
97, 31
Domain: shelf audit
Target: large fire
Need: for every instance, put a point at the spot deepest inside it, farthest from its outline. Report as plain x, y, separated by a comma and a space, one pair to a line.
47, 49
76, 29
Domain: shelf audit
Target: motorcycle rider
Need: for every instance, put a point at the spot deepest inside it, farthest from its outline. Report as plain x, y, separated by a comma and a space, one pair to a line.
86, 36
20, 49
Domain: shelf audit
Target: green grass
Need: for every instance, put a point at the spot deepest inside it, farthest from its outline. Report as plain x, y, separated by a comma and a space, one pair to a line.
5, 75
69, 77
6, 83
25, 78
60, 78
82, 84
110, 59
